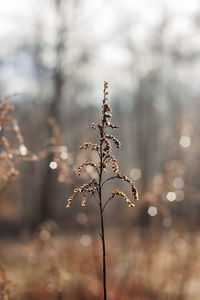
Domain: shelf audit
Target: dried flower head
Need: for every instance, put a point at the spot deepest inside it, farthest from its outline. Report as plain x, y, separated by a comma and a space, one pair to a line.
104, 150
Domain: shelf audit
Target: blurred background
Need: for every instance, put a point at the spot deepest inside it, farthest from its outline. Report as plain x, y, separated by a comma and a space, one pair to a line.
54, 58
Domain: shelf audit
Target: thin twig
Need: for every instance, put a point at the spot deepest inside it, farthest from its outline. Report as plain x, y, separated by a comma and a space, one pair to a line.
110, 178
106, 204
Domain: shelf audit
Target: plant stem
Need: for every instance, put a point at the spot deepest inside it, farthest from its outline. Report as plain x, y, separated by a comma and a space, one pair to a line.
104, 257
102, 217
103, 248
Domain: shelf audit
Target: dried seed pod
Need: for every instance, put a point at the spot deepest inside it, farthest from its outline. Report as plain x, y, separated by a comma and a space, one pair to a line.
83, 201
89, 187
115, 141
123, 195
90, 146
86, 163
131, 183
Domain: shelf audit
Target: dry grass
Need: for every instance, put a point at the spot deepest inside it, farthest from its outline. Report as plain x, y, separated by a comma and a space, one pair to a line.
142, 265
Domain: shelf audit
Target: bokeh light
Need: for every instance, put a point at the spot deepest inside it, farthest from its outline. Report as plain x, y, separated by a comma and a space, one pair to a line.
53, 165
171, 196
152, 211
178, 183
135, 174
185, 141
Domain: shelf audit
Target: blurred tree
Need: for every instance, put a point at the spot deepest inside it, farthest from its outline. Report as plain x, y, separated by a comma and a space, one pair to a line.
58, 80
146, 127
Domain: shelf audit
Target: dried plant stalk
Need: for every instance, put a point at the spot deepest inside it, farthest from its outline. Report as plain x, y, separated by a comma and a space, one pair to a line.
5, 285
13, 150
61, 159
94, 186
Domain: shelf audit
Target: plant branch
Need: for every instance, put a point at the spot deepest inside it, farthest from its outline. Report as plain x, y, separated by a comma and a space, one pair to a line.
110, 178
95, 198
106, 204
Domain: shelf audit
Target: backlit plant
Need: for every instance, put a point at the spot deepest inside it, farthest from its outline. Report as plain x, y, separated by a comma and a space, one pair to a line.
95, 186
